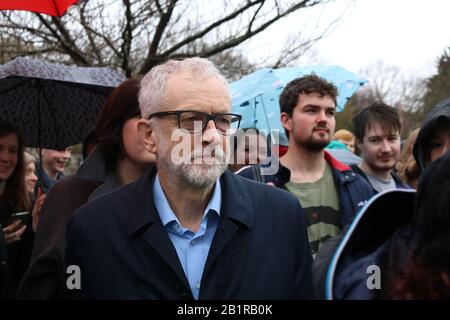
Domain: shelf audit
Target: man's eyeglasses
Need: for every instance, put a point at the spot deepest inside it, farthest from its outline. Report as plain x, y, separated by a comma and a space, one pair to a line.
195, 121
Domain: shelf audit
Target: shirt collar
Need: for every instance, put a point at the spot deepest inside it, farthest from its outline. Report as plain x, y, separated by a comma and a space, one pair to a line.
165, 211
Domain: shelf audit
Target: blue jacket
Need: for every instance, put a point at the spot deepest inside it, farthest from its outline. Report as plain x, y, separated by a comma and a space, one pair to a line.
260, 249
353, 190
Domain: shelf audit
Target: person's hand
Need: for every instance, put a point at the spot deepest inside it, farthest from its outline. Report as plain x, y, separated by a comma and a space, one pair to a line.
270, 184
14, 231
37, 208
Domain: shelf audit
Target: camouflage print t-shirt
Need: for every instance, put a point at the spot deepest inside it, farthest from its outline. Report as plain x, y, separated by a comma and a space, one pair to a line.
320, 203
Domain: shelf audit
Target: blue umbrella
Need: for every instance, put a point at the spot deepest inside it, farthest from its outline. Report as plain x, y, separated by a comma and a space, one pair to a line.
255, 96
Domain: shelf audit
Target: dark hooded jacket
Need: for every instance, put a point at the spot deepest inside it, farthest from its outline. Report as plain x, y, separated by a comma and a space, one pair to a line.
382, 233
385, 237
440, 111
356, 269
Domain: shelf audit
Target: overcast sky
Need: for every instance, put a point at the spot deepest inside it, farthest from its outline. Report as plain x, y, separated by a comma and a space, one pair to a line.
410, 34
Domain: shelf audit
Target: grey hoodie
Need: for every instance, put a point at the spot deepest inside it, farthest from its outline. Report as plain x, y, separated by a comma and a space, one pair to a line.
441, 110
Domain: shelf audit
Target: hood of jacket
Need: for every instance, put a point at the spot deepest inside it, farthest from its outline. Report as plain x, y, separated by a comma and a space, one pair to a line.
440, 111
364, 243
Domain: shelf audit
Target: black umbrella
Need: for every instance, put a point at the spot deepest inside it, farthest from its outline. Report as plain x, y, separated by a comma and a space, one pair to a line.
53, 104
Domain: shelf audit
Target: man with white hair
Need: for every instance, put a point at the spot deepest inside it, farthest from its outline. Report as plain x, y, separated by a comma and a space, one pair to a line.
190, 229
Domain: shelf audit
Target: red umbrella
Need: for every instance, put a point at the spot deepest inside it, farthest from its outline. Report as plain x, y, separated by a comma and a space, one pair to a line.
54, 8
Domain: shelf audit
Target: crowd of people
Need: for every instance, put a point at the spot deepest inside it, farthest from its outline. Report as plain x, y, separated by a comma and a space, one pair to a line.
172, 199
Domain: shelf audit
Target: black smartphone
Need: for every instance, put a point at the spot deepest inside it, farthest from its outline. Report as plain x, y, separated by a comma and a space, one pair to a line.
22, 216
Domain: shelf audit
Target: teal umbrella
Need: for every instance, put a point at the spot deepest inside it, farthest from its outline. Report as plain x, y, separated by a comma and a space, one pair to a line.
256, 95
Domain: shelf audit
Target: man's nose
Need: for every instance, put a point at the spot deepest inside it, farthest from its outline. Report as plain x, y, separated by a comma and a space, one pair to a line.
385, 146
210, 133
322, 117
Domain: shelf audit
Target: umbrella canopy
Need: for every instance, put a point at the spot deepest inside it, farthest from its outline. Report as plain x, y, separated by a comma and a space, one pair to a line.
55, 8
53, 104
256, 95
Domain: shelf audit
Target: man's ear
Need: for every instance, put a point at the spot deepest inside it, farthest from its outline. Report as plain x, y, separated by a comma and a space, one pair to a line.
147, 135
286, 121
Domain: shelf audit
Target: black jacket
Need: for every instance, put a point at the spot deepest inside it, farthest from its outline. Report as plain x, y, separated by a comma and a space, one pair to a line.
14, 257
260, 249
45, 277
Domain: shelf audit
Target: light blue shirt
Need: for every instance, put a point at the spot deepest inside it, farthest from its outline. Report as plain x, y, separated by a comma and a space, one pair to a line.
192, 248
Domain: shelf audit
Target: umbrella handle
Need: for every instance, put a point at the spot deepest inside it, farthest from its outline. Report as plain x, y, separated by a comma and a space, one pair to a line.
41, 166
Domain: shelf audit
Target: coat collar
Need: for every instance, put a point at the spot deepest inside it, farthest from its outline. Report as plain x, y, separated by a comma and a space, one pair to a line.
141, 210
143, 220
94, 167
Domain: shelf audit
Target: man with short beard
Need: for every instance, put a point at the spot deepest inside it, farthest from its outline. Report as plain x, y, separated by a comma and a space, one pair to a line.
189, 229
329, 191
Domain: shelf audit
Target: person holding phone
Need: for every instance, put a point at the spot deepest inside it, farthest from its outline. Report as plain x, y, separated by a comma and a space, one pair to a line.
14, 199
118, 159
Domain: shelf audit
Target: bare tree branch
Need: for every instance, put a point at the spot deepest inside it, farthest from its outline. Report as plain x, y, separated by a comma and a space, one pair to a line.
73, 52
294, 49
135, 35
103, 37
238, 40
202, 33
89, 34
127, 36
163, 22
250, 25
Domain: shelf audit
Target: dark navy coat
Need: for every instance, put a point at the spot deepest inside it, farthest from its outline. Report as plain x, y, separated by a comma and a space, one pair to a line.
260, 249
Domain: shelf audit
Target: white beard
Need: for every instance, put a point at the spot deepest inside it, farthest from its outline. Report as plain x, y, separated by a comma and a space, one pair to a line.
196, 171
199, 175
